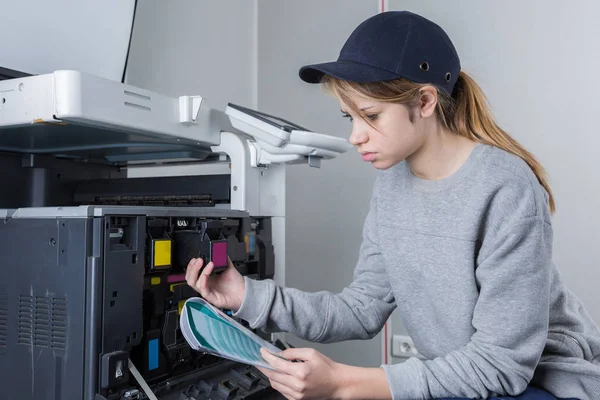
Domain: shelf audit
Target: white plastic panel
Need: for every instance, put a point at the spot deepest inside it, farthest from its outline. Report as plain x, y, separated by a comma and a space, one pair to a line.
41, 36
86, 98
320, 141
299, 149
73, 113
26, 100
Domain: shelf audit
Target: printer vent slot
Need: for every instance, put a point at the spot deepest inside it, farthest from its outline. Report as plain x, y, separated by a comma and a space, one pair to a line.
137, 95
138, 106
3, 323
141, 98
42, 321
24, 326
58, 338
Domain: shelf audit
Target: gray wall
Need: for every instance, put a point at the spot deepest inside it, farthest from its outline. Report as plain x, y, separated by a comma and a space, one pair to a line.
537, 61
189, 47
326, 207
209, 48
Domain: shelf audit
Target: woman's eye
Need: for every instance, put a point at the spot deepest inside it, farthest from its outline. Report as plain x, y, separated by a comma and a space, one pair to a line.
371, 117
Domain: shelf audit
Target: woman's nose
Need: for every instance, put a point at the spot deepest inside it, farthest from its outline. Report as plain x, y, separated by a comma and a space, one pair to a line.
358, 136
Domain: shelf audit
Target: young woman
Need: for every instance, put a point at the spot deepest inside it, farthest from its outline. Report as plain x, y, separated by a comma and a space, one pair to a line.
458, 237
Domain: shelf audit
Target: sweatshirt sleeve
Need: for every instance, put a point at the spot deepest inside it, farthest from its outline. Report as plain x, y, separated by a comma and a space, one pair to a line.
358, 312
510, 320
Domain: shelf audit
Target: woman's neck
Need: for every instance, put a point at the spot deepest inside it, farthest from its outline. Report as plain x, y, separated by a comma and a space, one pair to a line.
441, 155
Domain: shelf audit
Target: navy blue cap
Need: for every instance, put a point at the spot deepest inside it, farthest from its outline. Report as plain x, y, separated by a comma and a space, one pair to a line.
392, 45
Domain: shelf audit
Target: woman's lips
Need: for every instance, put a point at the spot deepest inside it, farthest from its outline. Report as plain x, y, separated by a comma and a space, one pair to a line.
368, 157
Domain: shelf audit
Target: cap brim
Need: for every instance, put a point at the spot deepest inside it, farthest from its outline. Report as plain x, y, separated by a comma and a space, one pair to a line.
345, 70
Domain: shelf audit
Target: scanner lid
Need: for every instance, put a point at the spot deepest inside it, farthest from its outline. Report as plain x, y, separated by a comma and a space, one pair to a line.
77, 115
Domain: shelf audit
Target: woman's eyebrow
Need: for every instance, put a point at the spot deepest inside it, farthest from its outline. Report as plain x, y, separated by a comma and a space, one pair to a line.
362, 109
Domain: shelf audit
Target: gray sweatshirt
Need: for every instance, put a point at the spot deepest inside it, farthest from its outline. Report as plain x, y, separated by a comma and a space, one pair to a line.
468, 262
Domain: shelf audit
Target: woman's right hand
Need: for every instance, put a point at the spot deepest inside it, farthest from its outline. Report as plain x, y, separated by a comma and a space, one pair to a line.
224, 290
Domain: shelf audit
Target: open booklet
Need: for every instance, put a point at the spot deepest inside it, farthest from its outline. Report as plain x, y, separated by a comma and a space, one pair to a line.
208, 329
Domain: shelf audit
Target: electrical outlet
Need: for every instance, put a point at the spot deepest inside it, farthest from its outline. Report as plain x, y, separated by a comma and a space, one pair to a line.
404, 347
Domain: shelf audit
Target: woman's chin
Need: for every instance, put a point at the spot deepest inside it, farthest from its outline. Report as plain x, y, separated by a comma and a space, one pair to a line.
381, 164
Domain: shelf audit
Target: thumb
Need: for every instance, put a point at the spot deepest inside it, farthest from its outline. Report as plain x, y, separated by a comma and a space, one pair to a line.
299, 354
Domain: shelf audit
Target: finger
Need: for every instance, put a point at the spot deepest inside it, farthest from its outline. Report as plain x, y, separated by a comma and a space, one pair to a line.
275, 375
191, 274
288, 381
278, 363
299, 354
202, 283
289, 393
208, 269
188, 267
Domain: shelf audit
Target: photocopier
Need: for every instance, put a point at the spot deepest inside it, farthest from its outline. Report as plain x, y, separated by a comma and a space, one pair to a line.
108, 190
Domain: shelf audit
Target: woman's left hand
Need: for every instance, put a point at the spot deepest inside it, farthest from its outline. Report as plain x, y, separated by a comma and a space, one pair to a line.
316, 377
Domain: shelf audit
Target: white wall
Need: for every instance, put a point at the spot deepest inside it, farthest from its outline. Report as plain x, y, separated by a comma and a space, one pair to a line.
189, 47
538, 62
40, 37
325, 207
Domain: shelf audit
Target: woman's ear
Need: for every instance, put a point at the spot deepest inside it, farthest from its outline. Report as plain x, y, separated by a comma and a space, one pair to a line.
429, 99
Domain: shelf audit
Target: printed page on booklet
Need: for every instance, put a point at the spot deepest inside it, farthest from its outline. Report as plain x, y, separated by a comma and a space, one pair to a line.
208, 329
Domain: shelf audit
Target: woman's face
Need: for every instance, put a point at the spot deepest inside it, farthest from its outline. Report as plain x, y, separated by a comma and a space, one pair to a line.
389, 136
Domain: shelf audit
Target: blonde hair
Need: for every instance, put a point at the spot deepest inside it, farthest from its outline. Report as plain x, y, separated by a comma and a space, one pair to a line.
465, 112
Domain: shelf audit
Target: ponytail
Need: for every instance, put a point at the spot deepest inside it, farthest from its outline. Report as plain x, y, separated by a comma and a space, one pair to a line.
465, 112
472, 118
